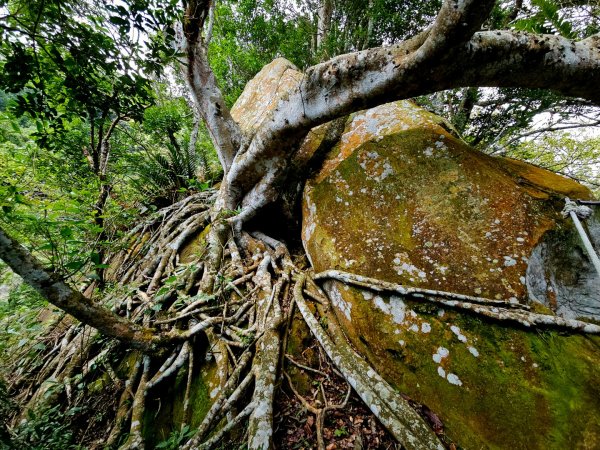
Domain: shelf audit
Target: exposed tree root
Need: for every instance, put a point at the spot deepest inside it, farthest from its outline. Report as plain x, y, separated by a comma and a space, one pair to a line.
390, 408
124, 409
493, 309
319, 413
243, 306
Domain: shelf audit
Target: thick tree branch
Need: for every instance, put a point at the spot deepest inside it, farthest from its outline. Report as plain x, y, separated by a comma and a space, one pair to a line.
454, 25
365, 79
60, 294
208, 98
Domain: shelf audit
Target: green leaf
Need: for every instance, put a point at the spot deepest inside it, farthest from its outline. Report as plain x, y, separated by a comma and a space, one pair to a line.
163, 290
74, 265
95, 258
66, 232
21, 199
118, 21
171, 280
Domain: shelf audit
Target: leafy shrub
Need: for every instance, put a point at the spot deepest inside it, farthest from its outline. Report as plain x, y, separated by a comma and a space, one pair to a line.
44, 430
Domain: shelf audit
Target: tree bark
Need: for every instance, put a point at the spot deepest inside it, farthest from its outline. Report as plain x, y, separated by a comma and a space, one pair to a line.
365, 79
208, 98
323, 21
60, 294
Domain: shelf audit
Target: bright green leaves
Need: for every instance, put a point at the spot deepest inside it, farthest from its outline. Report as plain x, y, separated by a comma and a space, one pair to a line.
9, 197
574, 157
68, 60
168, 117
546, 20
572, 20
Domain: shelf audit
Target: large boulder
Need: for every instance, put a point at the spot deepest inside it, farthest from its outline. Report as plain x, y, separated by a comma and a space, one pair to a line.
402, 199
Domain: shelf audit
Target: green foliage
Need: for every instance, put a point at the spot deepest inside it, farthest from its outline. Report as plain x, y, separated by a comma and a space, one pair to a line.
7, 408
249, 34
340, 432
167, 165
562, 153
63, 63
572, 20
19, 324
176, 439
44, 430
547, 20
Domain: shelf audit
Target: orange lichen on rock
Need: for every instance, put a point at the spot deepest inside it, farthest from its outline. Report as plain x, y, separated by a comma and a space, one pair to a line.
262, 94
400, 198
418, 206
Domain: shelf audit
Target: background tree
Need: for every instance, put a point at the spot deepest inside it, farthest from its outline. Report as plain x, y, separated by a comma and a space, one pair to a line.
76, 66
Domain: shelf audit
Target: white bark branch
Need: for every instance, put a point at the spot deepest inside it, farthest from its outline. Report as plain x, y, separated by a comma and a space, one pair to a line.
365, 79
60, 294
208, 98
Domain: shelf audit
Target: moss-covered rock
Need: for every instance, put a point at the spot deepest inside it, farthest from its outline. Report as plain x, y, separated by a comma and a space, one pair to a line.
402, 199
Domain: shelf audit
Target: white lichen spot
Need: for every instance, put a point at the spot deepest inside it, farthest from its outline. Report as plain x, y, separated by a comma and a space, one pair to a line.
310, 221
387, 171
349, 262
401, 342
461, 337
402, 265
508, 261
414, 328
215, 392
425, 327
453, 379
339, 302
395, 308
474, 352
441, 372
442, 352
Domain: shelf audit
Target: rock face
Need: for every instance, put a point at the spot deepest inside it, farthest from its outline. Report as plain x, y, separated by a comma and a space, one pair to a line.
261, 94
402, 199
